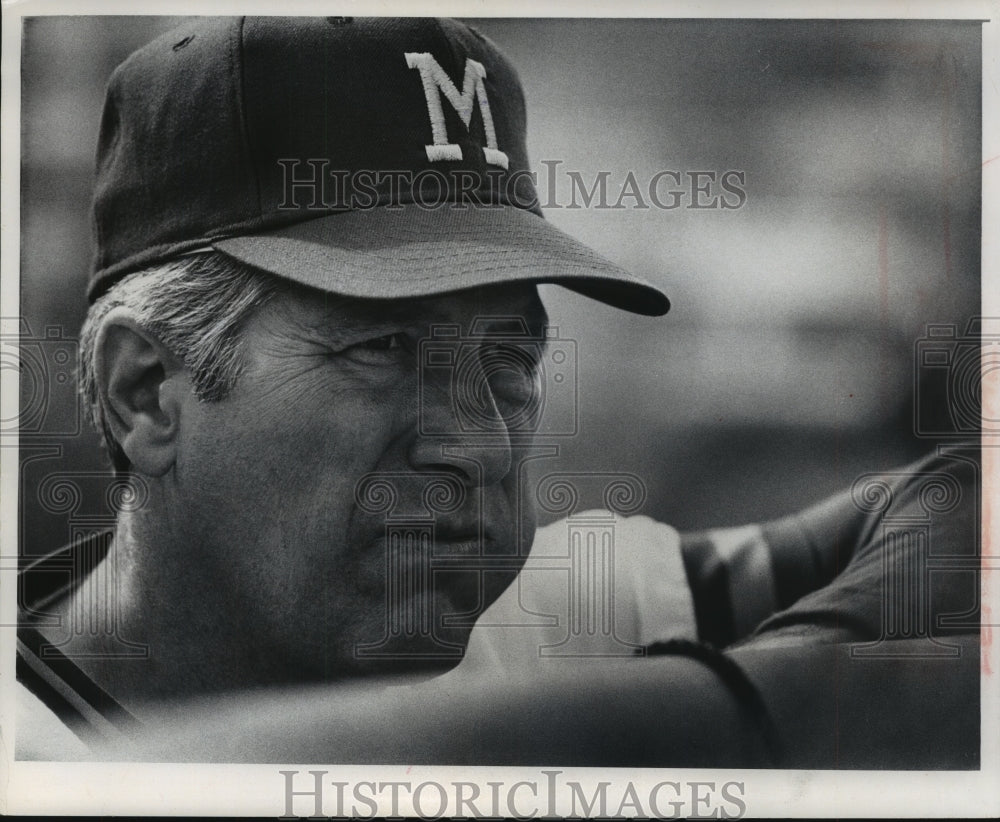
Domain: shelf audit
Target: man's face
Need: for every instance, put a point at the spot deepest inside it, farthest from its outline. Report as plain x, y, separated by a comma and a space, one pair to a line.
311, 554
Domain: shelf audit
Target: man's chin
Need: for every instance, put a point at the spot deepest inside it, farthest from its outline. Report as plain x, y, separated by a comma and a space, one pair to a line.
422, 635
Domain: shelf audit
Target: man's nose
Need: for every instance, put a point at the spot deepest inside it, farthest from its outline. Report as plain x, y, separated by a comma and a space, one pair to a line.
462, 429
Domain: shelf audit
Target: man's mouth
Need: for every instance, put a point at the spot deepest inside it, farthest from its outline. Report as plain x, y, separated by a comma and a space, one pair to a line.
461, 545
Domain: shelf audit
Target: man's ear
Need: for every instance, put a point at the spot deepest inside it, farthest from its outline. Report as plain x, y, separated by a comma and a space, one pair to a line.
143, 386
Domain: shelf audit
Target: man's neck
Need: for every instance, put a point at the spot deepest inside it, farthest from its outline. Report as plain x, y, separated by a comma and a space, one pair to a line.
122, 625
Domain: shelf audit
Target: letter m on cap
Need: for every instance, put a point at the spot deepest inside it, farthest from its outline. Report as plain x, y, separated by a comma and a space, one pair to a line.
437, 83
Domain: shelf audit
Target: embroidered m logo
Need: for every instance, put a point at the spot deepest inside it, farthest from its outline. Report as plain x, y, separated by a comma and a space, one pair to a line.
437, 83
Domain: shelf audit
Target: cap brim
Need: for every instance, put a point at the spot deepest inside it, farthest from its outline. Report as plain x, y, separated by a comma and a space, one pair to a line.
393, 252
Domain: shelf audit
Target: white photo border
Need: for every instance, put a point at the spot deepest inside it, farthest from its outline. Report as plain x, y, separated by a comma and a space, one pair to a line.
117, 789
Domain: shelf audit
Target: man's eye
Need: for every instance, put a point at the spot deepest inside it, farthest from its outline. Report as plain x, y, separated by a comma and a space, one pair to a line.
511, 370
387, 342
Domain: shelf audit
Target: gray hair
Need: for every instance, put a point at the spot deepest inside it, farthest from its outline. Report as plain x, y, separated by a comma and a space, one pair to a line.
197, 307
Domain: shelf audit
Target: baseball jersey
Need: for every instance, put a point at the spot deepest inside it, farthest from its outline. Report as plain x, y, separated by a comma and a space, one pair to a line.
61, 712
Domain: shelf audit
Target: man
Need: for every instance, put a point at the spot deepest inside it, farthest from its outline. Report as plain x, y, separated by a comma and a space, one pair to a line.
313, 350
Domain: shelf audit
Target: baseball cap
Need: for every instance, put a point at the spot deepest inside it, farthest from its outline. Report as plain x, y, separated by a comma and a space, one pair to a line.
380, 158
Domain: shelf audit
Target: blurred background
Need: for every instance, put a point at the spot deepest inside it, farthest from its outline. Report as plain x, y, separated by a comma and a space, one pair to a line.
786, 365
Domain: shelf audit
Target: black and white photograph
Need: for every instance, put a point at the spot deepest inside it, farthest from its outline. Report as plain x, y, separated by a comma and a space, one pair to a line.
523, 412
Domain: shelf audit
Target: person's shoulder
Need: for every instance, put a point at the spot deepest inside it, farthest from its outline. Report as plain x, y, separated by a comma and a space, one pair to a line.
631, 533
594, 584
41, 735
44, 579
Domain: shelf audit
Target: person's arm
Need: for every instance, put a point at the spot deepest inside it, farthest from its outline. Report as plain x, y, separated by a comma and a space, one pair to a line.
741, 576
667, 711
826, 568
828, 710
899, 709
